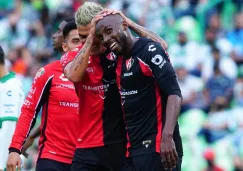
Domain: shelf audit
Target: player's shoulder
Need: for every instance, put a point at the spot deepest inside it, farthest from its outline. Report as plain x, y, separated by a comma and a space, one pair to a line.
152, 46
13, 84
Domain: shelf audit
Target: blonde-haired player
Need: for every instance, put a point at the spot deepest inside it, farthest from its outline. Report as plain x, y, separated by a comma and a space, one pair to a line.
101, 143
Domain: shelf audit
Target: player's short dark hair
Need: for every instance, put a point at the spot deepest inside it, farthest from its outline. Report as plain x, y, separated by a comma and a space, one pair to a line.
2, 60
69, 27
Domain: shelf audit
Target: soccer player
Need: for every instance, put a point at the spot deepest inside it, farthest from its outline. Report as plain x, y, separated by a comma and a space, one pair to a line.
101, 140
56, 95
11, 99
151, 97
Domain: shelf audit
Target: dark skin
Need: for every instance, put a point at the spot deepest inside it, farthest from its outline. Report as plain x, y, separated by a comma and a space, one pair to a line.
117, 37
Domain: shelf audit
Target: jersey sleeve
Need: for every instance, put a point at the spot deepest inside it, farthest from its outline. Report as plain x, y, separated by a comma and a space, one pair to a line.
155, 61
69, 56
32, 105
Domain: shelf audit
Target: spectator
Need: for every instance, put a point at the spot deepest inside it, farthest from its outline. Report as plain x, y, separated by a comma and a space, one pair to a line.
219, 89
185, 51
223, 62
236, 38
209, 156
191, 89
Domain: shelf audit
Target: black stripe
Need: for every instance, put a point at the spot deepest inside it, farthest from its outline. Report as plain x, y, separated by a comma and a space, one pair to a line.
46, 99
39, 105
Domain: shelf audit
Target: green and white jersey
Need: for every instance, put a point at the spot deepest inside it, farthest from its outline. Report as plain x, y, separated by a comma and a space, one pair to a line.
11, 100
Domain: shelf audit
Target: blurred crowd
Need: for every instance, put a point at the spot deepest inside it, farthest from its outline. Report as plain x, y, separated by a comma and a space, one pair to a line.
205, 44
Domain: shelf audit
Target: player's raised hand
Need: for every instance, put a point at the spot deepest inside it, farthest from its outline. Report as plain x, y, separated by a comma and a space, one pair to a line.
93, 24
168, 152
13, 161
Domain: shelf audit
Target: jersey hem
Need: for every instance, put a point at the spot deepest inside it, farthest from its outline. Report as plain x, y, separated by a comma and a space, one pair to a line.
100, 144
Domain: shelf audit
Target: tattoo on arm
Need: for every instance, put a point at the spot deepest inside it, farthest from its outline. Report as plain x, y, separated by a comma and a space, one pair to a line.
79, 58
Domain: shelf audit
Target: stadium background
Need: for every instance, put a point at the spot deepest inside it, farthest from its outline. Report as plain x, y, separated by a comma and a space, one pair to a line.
205, 44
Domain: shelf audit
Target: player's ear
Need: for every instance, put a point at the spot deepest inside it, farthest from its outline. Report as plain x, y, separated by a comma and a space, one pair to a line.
124, 25
64, 47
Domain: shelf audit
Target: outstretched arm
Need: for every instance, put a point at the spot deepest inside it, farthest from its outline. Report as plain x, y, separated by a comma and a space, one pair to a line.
143, 32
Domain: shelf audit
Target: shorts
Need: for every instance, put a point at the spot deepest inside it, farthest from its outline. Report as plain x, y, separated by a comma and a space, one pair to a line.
148, 162
106, 158
52, 165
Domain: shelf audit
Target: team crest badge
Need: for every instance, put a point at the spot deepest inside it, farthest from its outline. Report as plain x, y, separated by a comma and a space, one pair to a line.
40, 72
129, 63
111, 56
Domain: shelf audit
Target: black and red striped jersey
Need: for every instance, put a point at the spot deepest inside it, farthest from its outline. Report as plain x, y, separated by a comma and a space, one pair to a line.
56, 95
101, 118
145, 81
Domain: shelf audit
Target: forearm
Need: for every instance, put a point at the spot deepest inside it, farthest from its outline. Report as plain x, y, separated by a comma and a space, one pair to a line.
143, 32
172, 112
76, 69
35, 133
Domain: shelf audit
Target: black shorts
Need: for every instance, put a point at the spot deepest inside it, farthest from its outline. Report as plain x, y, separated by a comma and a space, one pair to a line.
107, 158
52, 165
147, 162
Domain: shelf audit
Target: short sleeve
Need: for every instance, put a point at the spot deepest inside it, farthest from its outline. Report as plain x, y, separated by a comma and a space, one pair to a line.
69, 56
157, 60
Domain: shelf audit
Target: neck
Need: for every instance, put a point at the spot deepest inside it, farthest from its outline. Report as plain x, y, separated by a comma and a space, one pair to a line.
3, 71
130, 43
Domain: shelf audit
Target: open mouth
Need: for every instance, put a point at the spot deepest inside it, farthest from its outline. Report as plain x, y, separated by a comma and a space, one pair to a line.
113, 46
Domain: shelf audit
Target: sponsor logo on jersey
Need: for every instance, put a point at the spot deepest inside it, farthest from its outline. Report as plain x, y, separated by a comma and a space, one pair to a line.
68, 104
39, 73
151, 48
127, 93
147, 143
100, 88
27, 103
129, 63
128, 74
63, 78
9, 93
69, 86
158, 60
31, 92
111, 56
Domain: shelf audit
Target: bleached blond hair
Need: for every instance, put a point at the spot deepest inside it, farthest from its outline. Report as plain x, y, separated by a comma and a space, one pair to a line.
87, 12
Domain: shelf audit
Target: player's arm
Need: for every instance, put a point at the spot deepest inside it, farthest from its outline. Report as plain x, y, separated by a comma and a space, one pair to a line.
157, 60
75, 70
143, 32
30, 140
32, 104
139, 30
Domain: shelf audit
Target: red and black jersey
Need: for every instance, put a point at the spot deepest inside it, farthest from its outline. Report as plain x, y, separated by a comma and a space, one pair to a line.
101, 119
56, 95
145, 81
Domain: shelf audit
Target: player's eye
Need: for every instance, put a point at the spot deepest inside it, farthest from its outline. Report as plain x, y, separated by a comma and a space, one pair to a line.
101, 38
108, 31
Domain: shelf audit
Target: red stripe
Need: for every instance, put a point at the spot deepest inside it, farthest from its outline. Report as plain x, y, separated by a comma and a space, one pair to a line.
118, 80
159, 117
145, 68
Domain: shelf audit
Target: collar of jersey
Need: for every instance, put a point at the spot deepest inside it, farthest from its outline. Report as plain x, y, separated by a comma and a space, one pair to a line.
7, 77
